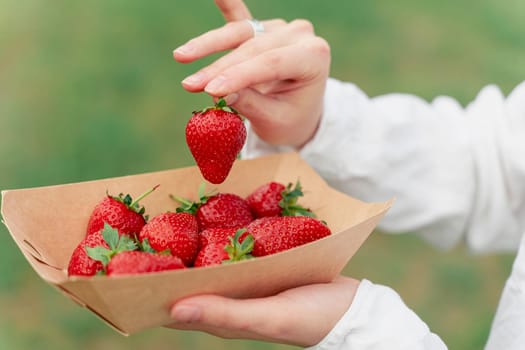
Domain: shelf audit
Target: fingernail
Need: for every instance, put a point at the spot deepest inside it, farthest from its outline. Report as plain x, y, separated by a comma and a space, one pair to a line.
231, 98
184, 49
194, 79
214, 86
185, 313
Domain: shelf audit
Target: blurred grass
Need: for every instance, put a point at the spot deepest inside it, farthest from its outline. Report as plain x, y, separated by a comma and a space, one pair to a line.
89, 90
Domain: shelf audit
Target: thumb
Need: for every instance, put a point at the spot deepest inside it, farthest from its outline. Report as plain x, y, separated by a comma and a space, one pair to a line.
230, 318
268, 115
277, 119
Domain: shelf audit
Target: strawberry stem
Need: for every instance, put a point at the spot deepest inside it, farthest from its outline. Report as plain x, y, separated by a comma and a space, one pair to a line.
222, 105
187, 206
136, 201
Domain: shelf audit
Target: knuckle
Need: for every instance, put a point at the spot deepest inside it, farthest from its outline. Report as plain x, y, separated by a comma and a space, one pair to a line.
279, 22
318, 46
302, 25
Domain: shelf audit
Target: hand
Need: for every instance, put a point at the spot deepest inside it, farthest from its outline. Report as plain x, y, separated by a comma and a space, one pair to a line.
300, 316
275, 79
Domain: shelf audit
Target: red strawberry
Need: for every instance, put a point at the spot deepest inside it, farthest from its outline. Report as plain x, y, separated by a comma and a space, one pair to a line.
274, 199
215, 235
120, 212
215, 136
80, 264
278, 233
133, 262
211, 254
94, 252
176, 232
226, 210
224, 245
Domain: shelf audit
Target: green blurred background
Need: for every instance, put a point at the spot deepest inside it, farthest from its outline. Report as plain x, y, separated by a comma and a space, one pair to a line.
89, 90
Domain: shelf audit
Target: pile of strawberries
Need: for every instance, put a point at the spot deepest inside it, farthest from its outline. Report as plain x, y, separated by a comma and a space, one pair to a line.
217, 228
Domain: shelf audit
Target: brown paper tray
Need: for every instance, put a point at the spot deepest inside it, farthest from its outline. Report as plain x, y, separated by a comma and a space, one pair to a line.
48, 222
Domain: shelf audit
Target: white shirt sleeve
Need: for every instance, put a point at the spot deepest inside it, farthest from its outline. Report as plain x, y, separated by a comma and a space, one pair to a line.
456, 173
398, 326
509, 323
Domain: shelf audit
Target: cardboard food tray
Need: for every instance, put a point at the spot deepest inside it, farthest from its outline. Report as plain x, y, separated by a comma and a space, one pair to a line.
48, 222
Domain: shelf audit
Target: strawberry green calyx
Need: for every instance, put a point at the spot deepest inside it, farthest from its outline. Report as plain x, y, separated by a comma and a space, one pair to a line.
191, 207
117, 243
238, 250
220, 105
134, 204
288, 203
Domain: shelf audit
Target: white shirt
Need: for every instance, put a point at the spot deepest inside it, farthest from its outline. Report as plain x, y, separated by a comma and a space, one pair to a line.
470, 165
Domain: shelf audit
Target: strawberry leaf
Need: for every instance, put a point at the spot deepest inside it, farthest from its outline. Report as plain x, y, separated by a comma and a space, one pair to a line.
288, 203
99, 253
111, 236
237, 250
125, 243
145, 246
117, 243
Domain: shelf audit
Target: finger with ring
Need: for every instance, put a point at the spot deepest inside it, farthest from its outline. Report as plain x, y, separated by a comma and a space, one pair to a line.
257, 26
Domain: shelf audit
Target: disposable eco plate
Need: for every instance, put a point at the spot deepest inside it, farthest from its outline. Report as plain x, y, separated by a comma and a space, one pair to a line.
48, 222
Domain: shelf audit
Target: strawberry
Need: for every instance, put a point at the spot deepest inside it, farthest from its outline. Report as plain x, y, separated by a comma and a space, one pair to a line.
120, 212
274, 199
224, 245
226, 210
215, 136
80, 264
176, 232
211, 254
215, 235
278, 233
94, 252
133, 262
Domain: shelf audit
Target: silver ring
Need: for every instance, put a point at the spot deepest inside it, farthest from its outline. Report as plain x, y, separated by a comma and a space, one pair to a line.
257, 26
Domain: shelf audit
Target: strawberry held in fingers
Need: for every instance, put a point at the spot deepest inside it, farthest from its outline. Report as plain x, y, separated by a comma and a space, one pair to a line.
176, 232
120, 212
215, 136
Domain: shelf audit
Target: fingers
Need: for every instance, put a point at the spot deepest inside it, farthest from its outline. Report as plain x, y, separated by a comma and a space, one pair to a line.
233, 10
227, 37
300, 316
298, 36
230, 318
273, 65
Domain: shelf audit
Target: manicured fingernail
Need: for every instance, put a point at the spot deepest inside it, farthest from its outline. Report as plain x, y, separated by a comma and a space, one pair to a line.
194, 79
231, 98
185, 313
214, 86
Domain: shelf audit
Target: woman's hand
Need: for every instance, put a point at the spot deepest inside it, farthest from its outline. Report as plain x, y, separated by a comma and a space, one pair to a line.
300, 316
276, 79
